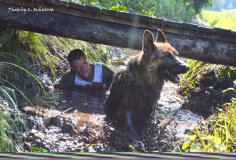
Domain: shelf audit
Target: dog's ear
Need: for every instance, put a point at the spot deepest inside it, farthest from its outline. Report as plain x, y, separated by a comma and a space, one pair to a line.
148, 41
161, 37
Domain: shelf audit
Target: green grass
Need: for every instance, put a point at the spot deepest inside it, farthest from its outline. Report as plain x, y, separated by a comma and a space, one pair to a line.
22, 55
197, 71
218, 133
10, 128
11, 120
225, 19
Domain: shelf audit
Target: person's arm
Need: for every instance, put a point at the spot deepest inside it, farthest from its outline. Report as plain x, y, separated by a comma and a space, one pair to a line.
107, 75
66, 82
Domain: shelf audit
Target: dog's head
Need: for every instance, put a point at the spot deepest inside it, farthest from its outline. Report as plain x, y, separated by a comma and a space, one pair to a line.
160, 57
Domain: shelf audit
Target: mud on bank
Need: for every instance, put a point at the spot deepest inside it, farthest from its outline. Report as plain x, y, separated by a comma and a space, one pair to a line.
57, 131
208, 87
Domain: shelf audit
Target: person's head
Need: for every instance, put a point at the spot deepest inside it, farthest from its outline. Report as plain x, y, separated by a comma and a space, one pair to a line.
79, 63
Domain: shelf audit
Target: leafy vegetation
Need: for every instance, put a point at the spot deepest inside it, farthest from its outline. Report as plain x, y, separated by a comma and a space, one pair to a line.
12, 122
15, 56
200, 72
225, 19
199, 5
13, 86
10, 138
176, 10
216, 134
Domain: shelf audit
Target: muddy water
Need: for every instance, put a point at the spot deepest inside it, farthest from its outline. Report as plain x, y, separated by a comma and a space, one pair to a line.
74, 100
74, 121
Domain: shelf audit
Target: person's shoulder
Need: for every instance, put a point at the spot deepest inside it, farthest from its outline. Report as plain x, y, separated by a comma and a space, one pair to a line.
105, 68
69, 74
98, 63
66, 81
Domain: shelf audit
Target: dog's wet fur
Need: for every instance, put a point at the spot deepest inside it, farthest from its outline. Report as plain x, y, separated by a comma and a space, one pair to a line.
135, 90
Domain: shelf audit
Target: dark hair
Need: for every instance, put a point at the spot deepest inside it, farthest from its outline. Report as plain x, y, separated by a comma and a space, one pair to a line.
75, 55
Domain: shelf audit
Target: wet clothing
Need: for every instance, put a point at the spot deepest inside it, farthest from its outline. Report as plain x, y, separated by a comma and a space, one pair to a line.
100, 73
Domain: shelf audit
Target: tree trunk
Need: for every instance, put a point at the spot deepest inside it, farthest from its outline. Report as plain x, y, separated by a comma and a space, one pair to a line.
121, 29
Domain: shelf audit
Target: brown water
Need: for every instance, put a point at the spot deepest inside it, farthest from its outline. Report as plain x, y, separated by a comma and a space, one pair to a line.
72, 120
75, 100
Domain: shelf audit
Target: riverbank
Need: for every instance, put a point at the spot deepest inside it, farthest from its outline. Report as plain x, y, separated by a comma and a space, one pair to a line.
211, 88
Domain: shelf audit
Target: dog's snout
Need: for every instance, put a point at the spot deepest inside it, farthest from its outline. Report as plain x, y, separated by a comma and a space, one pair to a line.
181, 66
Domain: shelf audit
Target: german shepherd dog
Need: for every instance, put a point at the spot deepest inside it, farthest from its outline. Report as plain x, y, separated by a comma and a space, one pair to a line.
135, 90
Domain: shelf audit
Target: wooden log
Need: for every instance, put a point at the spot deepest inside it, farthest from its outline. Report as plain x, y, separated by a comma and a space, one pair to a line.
91, 24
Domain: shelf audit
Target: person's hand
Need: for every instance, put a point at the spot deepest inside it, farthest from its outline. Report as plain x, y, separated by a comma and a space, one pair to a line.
98, 85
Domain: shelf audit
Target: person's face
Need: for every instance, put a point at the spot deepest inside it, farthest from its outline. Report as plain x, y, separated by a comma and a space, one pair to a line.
82, 67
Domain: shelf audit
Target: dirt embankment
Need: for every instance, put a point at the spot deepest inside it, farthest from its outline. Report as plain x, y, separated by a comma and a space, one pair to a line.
208, 87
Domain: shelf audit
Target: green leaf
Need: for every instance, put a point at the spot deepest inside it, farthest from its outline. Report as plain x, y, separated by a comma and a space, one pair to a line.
192, 137
228, 89
10, 55
133, 148
115, 8
88, 146
185, 145
36, 149
217, 140
209, 137
7, 63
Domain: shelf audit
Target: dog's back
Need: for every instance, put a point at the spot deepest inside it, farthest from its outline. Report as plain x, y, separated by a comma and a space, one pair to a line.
129, 93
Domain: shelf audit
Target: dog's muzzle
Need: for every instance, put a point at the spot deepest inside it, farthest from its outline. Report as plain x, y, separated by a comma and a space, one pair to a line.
172, 73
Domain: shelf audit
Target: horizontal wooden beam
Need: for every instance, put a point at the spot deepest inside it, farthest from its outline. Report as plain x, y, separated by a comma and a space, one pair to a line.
121, 29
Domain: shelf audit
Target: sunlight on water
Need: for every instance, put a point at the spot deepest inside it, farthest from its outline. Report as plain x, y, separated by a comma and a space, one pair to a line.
170, 103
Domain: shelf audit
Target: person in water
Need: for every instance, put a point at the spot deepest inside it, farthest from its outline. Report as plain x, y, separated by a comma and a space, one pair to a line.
83, 73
